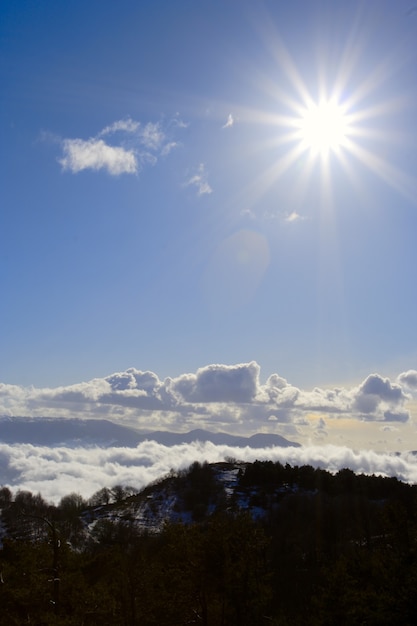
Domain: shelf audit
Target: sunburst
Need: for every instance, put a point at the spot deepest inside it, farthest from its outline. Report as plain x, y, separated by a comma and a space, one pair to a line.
345, 123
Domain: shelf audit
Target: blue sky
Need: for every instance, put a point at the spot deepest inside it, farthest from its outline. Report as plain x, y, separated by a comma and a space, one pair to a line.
162, 210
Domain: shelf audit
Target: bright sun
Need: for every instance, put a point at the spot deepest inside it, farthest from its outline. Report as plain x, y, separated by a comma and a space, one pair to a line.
323, 127
331, 129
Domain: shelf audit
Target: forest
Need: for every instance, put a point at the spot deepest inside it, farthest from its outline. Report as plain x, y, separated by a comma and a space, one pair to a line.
241, 544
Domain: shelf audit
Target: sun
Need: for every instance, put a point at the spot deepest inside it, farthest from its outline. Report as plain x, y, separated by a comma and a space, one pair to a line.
323, 127
328, 126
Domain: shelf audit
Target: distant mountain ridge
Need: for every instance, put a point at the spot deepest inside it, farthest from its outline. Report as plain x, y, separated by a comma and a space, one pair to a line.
260, 440
76, 432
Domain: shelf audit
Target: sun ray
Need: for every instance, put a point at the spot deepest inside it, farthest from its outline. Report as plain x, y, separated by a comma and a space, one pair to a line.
390, 174
333, 123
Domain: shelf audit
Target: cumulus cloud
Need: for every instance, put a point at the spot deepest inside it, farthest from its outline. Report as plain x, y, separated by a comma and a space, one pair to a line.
230, 396
219, 383
199, 180
59, 471
122, 147
409, 379
134, 379
396, 416
382, 388
376, 392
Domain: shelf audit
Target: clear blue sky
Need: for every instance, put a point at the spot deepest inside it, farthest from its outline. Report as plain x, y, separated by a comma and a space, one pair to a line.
149, 217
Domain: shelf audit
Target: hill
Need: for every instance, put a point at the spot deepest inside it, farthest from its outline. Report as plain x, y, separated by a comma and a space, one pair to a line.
229, 543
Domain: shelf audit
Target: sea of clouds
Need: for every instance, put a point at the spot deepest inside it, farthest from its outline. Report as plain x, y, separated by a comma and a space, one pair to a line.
55, 472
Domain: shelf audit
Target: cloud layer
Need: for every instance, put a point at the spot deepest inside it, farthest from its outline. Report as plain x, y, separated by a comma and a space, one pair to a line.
228, 398
59, 471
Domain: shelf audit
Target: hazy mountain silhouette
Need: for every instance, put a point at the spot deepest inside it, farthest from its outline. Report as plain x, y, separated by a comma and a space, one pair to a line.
261, 440
76, 432
69, 432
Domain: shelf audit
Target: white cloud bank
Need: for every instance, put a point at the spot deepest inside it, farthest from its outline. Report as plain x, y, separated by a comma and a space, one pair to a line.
229, 398
59, 471
127, 146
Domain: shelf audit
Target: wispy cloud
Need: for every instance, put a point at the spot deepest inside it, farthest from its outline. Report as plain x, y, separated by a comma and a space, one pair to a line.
168, 147
199, 180
152, 136
230, 121
127, 125
293, 217
122, 147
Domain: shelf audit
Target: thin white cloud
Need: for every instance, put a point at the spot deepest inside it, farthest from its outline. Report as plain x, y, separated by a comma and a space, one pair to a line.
152, 136
127, 125
95, 154
230, 121
49, 137
123, 147
168, 147
293, 217
177, 121
199, 180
